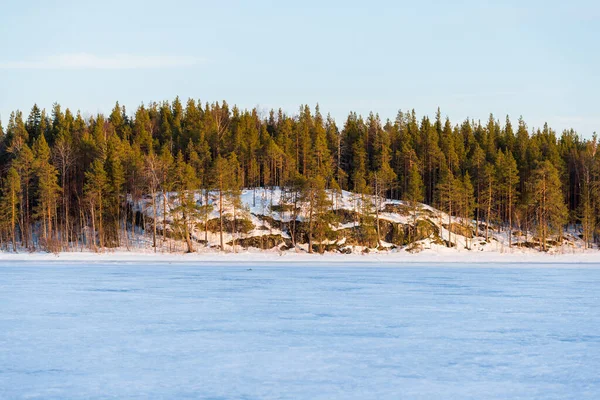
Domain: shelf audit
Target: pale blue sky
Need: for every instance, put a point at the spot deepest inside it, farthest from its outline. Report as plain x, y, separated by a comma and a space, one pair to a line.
535, 58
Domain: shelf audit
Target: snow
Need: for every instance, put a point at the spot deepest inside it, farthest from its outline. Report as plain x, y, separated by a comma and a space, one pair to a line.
257, 207
439, 255
268, 329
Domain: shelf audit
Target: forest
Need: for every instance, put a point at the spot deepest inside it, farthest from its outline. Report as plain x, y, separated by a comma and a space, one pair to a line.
69, 181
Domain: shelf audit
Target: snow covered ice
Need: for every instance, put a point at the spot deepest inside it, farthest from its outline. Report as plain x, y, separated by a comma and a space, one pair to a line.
298, 331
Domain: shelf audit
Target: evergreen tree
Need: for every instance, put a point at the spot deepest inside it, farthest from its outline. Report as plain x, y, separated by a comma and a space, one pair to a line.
467, 205
24, 164
414, 193
64, 157
589, 191
17, 136
220, 174
95, 189
447, 198
165, 165
11, 200
186, 211
550, 209
116, 182
508, 181
48, 189
233, 187
227, 148
487, 197
319, 209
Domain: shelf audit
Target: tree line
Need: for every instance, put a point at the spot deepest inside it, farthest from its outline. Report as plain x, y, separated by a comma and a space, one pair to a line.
69, 181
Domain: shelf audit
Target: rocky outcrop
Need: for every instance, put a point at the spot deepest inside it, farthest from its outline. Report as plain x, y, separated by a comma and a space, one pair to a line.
242, 225
264, 242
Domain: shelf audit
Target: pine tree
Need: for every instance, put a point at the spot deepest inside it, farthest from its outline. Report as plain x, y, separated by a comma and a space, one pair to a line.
589, 191
414, 193
165, 165
467, 205
319, 207
24, 164
487, 197
48, 189
550, 209
432, 156
134, 182
17, 136
508, 181
447, 194
11, 200
95, 189
116, 182
447, 146
320, 151
383, 175
186, 212
293, 200
233, 186
587, 213
142, 130
152, 180
297, 152
220, 176
64, 157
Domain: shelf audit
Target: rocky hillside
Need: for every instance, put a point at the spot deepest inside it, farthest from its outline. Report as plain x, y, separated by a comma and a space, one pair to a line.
270, 220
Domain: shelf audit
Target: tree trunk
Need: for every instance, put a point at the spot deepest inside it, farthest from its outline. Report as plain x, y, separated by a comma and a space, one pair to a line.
188, 240
310, 227
234, 228
488, 212
13, 207
221, 220
206, 216
450, 226
377, 204
509, 217
164, 216
154, 220
93, 227
100, 218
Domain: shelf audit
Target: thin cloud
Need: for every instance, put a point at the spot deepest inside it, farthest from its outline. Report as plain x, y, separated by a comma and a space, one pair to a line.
92, 61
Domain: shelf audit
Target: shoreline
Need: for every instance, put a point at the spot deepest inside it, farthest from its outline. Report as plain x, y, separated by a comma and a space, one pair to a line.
426, 256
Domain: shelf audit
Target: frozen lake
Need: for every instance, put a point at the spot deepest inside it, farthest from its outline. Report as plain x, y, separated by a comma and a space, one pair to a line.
297, 331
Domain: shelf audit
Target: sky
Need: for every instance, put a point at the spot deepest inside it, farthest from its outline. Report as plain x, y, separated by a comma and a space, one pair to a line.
536, 59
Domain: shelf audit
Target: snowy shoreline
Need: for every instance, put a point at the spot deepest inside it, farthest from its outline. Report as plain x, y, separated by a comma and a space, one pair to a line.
426, 256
